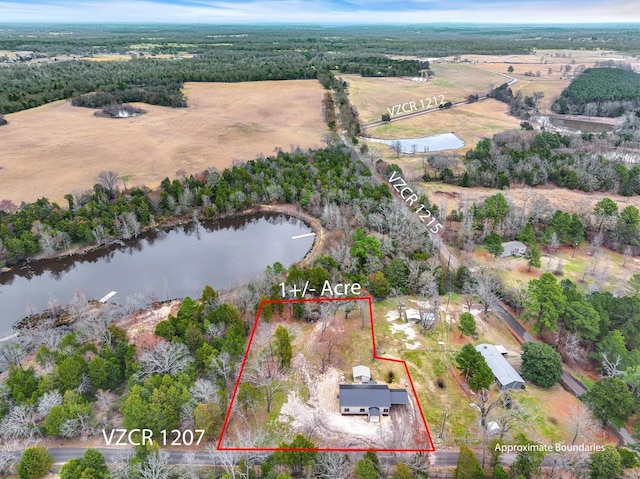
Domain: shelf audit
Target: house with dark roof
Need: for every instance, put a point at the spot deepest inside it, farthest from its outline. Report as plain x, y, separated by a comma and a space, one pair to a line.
372, 400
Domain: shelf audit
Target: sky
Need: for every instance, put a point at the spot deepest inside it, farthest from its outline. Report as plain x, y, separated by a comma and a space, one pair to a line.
321, 11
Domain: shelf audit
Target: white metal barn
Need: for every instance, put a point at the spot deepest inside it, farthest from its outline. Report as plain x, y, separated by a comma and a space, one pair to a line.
506, 376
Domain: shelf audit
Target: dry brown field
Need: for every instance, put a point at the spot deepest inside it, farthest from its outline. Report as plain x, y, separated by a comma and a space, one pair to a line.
571, 201
470, 122
372, 96
57, 148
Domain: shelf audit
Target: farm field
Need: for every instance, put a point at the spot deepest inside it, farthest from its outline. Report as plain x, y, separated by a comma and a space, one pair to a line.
224, 122
372, 96
471, 123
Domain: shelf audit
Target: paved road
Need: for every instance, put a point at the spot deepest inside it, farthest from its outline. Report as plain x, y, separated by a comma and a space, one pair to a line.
112, 454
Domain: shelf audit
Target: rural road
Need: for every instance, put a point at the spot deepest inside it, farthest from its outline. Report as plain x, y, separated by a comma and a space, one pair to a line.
404, 116
436, 459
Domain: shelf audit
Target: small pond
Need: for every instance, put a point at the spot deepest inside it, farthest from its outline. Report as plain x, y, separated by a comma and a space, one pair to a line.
441, 142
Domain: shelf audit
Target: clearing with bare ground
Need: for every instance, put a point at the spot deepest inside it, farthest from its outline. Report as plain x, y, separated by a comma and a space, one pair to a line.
56, 149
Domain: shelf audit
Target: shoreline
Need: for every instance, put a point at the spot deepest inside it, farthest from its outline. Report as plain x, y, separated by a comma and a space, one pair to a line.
21, 326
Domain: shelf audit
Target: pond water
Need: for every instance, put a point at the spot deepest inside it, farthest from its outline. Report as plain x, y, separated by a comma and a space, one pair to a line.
170, 263
574, 125
443, 141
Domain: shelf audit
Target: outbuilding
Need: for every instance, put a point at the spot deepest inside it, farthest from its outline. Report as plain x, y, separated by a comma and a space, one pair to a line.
513, 248
506, 376
361, 374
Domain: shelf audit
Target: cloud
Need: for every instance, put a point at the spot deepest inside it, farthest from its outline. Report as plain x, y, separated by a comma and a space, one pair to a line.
320, 11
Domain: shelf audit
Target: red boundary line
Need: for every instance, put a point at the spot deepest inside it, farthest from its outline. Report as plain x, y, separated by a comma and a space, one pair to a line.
375, 356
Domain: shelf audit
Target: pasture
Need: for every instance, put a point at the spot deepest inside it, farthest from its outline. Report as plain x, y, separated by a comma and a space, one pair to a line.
57, 148
471, 123
372, 96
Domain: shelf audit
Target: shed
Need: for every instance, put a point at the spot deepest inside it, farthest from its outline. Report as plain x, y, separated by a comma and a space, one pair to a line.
513, 248
506, 376
361, 374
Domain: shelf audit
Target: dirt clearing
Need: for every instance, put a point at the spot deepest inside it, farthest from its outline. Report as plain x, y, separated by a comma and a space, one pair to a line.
57, 148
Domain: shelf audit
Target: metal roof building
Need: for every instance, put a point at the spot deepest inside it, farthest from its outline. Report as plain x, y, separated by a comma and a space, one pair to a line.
506, 376
513, 248
370, 399
361, 373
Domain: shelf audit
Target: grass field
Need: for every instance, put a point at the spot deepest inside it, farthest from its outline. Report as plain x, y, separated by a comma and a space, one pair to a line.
470, 122
571, 201
372, 96
57, 149
579, 268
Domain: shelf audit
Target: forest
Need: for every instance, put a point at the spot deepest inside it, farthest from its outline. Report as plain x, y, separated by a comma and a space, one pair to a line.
431, 40
235, 53
600, 92
572, 161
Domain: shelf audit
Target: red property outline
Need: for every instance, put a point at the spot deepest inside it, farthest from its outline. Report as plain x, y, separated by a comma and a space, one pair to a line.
375, 356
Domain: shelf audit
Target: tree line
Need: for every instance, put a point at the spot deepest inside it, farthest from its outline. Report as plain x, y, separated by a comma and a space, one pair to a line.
158, 81
572, 161
600, 92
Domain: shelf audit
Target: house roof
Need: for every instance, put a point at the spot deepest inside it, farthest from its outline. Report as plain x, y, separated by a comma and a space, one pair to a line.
365, 395
513, 244
502, 370
371, 395
361, 371
399, 396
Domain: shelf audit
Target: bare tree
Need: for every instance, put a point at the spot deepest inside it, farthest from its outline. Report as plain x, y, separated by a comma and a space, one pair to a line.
48, 401
155, 466
487, 287
485, 404
583, 425
510, 414
228, 460
333, 465
610, 368
573, 348
20, 422
267, 374
554, 242
10, 456
109, 179
12, 352
204, 391
223, 368
165, 358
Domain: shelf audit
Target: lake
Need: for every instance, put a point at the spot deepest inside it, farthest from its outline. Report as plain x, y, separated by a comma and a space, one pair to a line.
171, 263
443, 141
